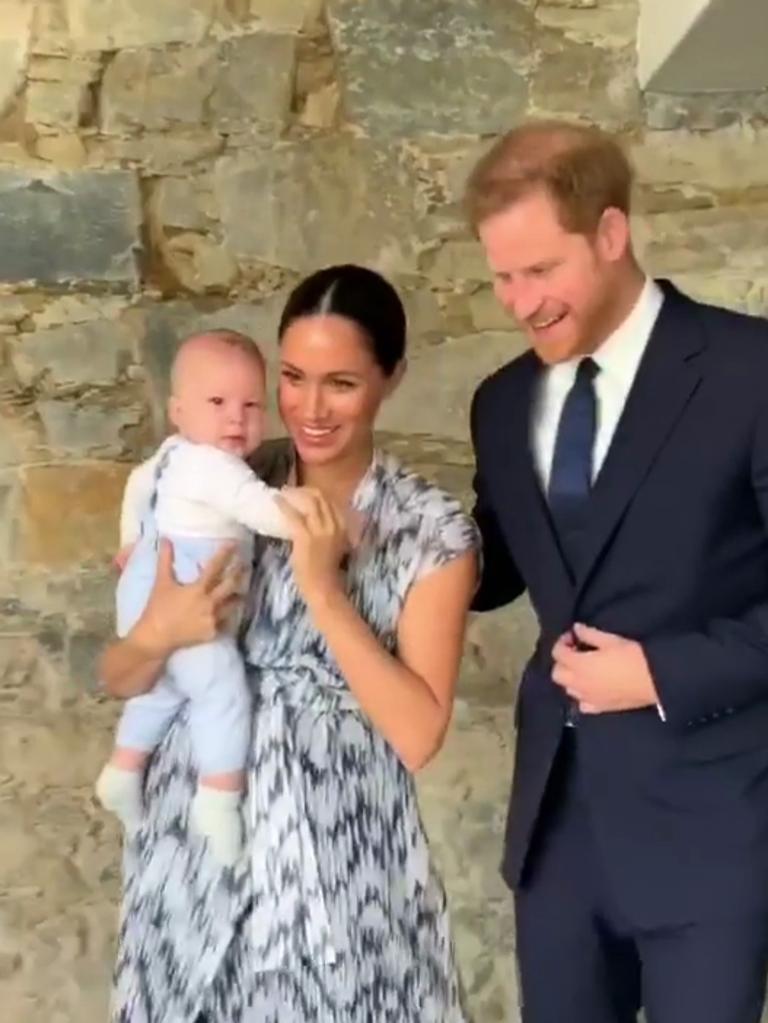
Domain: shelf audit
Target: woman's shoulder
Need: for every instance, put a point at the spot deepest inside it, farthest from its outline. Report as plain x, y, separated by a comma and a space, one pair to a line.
273, 461
417, 497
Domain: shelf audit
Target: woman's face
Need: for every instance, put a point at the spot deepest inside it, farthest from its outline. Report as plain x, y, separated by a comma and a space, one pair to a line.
330, 388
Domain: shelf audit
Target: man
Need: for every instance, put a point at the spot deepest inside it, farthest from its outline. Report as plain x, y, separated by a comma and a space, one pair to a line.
622, 480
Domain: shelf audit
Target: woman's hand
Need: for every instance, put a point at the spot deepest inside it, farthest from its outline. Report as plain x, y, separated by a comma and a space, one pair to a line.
179, 615
320, 541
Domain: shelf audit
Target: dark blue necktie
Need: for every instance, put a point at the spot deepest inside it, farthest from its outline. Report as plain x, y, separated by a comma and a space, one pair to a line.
570, 478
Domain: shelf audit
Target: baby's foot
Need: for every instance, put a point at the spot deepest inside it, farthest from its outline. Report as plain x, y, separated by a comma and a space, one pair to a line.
216, 816
120, 792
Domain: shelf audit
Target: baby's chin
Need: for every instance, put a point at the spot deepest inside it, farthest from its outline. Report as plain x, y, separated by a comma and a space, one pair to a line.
241, 448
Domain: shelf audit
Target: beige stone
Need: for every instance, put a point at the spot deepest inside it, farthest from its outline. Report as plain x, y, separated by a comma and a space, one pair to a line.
320, 201
68, 514
156, 89
198, 263
56, 105
285, 15
435, 396
15, 28
65, 151
117, 24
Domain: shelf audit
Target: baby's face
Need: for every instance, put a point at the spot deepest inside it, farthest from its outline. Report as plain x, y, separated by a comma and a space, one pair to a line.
219, 400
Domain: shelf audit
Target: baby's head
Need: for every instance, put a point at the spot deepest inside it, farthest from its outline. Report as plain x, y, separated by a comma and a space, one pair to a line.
218, 382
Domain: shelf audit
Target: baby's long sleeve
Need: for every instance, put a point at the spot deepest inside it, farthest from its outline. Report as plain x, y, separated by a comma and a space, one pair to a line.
136, 497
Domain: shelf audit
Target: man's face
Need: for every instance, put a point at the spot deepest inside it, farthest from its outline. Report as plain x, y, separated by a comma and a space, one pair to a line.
560, 286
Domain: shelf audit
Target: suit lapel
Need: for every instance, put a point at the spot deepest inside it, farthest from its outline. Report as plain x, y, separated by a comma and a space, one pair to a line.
521, 486
667, 377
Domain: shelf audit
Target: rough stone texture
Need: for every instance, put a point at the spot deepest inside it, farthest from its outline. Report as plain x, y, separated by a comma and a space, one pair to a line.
118, 24
15, 27
328, 200
464, 64
170, 165
69, 227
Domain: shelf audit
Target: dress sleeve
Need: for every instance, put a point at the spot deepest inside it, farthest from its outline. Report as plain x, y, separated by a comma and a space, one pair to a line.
447, 535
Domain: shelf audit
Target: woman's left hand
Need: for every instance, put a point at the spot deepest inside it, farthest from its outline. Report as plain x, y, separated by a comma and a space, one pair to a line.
320, 541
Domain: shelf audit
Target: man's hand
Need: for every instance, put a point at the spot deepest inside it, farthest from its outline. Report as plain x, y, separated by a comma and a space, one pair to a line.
611, 675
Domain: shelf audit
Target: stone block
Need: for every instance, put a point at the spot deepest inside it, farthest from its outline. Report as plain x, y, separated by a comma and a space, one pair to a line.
15, 30
119, 24
56, 105
702, 163
285, 15
61, 228
157, 89
90, 354
184, 202
198, 263
435, 395
254, 82
705, 111
431, 67
329, 200
21, 436
68, 514
75, 429
734, 239
585, 79
159, 152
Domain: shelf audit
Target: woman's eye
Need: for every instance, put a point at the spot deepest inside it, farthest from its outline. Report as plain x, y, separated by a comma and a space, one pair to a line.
343, 385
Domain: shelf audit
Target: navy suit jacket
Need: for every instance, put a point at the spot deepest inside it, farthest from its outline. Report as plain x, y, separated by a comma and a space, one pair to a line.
675, 555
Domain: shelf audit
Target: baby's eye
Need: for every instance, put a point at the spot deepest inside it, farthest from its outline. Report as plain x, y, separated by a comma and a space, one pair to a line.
215, 400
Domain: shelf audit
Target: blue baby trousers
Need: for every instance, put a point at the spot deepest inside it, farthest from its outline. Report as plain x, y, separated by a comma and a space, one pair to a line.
210, 676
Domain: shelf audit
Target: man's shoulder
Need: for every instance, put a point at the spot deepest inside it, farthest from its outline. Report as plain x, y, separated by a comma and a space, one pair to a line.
505, 377
730, 333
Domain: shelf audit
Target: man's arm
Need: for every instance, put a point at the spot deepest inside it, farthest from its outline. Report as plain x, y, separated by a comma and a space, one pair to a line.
500, 581
702, 675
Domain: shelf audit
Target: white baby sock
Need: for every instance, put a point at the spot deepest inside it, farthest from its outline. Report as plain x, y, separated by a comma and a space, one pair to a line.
216, 816
121, 792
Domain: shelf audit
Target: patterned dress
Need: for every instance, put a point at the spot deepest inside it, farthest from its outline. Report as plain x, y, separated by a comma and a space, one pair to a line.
336, 914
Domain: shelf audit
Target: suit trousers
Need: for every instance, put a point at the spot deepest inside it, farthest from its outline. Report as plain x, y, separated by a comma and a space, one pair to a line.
581, 961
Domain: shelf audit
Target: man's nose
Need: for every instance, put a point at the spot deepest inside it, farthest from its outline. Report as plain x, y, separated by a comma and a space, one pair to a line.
521, 298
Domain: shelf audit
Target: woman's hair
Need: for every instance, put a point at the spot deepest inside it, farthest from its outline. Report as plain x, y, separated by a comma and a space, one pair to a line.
583, 169
361, 296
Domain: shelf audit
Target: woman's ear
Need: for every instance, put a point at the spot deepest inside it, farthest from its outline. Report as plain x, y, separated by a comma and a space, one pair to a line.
393, 380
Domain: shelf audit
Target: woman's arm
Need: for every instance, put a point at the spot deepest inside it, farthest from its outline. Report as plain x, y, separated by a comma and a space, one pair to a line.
409, 698
176, 616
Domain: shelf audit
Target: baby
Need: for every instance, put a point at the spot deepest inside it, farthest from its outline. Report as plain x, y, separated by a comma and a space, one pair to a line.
197, 491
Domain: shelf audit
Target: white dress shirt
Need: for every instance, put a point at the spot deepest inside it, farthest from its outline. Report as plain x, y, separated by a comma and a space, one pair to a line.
618, 358
203, 493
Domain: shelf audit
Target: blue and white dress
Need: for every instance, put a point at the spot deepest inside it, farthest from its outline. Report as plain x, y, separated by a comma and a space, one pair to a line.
336, 914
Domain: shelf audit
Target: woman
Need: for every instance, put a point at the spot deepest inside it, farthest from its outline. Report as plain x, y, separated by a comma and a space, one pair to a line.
335, 914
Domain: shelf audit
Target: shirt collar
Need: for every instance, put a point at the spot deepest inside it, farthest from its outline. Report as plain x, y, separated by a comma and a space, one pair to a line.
620, 354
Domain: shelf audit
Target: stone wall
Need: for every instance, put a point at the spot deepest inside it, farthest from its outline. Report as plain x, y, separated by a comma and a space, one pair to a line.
170, 163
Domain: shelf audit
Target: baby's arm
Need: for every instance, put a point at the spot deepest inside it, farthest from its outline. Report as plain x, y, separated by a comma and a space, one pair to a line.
136, 497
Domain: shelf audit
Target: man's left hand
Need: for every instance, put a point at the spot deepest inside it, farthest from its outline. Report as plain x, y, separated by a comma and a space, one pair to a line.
611, 676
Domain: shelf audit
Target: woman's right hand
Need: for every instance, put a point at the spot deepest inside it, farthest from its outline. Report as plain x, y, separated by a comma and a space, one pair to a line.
180, 615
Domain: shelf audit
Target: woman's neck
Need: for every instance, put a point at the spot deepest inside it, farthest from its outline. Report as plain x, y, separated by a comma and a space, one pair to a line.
337, 480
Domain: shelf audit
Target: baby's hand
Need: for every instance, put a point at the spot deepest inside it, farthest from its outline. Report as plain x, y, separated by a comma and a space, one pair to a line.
299, 498
120, 559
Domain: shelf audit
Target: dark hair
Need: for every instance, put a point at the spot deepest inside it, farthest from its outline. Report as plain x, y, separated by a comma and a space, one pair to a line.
360, 295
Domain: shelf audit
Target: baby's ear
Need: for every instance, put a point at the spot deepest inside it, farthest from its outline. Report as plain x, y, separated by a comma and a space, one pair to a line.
173, 411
